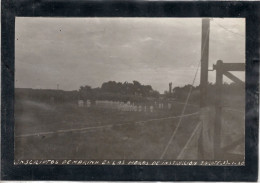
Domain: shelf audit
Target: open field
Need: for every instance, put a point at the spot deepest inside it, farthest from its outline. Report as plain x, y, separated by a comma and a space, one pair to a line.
124, 139
53, 131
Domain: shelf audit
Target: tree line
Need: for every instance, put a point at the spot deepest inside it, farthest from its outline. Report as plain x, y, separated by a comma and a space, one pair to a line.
134, 92
231, 93
113, 90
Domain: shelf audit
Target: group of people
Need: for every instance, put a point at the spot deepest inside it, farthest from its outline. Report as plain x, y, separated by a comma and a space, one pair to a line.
125, 106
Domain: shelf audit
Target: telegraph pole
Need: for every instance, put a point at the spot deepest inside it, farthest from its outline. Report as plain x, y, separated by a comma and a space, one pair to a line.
203, 143
204, 62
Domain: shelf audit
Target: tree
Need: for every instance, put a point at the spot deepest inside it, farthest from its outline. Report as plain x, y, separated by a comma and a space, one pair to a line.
136, 89
86, 93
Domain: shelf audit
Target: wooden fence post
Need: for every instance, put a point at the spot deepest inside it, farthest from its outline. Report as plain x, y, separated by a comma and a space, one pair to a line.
218, 109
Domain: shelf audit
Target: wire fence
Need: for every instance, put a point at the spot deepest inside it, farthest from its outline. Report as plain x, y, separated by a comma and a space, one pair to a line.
105, 126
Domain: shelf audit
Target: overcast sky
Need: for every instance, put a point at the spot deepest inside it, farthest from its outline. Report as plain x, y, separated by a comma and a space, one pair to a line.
89, 51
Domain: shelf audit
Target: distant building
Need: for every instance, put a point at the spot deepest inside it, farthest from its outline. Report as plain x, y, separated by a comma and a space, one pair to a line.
46, 95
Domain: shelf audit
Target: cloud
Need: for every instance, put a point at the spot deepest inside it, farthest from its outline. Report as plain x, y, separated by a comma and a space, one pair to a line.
155, 51
146, 39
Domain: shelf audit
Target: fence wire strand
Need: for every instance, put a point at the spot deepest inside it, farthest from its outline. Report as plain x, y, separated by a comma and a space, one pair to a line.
185, 105
104, 126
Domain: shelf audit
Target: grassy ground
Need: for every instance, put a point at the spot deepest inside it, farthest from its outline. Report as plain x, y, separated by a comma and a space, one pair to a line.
144, 140
129, 140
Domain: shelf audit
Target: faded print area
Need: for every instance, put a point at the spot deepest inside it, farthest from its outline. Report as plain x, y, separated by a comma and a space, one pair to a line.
127, 89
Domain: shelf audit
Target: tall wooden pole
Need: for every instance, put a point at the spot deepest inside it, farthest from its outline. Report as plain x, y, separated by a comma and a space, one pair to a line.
202, 146
204, 62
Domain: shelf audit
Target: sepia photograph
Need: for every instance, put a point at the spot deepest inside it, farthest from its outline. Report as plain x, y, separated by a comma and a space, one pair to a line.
134, 91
